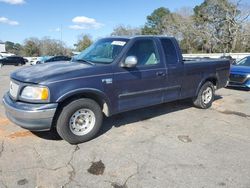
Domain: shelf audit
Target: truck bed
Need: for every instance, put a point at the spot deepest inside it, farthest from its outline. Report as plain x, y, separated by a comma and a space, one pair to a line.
201, 60
196, 69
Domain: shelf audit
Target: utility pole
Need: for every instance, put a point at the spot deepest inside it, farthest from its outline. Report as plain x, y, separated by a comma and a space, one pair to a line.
61, 41
61, 33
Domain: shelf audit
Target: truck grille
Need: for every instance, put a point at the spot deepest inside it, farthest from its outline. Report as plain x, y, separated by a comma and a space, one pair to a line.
237, 78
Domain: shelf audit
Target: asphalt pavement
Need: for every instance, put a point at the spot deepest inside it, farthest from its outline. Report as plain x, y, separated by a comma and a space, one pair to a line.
168, 145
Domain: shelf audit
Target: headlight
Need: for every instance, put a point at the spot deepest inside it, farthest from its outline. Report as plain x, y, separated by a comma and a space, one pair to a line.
35, 93
248, 76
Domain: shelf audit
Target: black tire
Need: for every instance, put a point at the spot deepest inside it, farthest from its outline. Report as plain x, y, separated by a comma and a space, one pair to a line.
199, 102
63, 121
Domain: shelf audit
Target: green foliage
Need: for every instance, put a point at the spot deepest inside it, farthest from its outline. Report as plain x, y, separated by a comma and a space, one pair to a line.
212, 26
83, 42
12, 47
155, 22
217, 21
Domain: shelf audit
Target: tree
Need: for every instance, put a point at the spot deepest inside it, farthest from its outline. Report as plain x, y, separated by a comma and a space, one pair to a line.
31, 47
9, 46
12, 47
177, 24
183, 29
83, 42
243, 42
125, 31
45, 47
213, 26
155, 22
219, 23
52, 47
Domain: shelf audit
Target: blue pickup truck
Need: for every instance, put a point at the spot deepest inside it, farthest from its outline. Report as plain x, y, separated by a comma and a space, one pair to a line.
111, 76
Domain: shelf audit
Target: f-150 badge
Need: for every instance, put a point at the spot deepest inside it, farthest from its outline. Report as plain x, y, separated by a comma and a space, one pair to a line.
107, 80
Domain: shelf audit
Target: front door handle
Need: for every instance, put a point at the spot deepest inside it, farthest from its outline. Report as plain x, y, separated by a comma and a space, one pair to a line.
160, 74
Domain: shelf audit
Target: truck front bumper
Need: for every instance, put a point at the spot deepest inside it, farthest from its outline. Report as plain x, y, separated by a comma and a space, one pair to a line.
34, 117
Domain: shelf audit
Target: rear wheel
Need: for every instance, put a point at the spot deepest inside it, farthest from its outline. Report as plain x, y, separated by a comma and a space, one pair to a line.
205, 96
79, 121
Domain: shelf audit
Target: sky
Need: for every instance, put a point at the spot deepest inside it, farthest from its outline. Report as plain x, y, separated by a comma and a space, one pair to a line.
68, 19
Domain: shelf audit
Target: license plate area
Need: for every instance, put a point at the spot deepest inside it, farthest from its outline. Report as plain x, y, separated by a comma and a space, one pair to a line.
14, 88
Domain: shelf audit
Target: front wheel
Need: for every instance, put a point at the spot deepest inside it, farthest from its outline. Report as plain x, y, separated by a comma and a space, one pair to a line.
205, 96
79, 121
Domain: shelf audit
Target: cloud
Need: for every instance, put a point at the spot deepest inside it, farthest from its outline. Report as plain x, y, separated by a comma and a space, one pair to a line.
83, 22
5, 20
77, 27
58, 29
13, 2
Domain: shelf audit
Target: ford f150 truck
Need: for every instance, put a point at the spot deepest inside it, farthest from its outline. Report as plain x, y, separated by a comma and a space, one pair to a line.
111, 76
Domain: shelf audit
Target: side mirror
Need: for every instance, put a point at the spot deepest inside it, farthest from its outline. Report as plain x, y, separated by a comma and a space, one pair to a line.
130, 61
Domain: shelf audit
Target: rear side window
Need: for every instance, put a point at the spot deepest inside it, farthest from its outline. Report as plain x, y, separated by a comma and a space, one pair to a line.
170, 51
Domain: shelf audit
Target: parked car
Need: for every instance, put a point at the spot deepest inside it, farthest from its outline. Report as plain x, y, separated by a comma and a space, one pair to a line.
12, 60
33, 60
112, 76
54, 59
41, 60
25, 60
240, 74
58, 58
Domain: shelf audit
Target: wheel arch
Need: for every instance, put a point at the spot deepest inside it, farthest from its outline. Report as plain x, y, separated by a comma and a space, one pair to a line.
212, 79
96, 95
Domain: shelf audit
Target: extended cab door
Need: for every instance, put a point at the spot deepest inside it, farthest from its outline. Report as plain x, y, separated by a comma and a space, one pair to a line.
142, 85
174, 62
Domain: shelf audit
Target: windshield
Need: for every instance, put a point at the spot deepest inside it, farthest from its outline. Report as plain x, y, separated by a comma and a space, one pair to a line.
244, 62
103, 51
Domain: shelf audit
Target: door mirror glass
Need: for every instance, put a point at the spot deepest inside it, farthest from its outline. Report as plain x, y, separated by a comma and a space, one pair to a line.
130, 61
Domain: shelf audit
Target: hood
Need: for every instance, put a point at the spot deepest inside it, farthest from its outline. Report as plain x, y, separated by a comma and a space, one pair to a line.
50, 72
240, 69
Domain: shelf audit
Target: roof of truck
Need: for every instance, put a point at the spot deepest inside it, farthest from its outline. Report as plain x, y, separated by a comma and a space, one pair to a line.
139, 36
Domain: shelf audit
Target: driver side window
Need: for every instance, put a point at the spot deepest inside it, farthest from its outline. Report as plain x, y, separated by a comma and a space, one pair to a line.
145, 52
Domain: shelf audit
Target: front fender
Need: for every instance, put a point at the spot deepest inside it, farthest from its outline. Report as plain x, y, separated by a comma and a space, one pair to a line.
82, 91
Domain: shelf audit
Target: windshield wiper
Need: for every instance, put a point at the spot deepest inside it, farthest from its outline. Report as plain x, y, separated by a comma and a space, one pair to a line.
84, 61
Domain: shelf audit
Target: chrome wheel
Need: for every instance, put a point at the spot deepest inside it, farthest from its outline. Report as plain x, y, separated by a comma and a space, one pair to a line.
207, 95
82, 122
